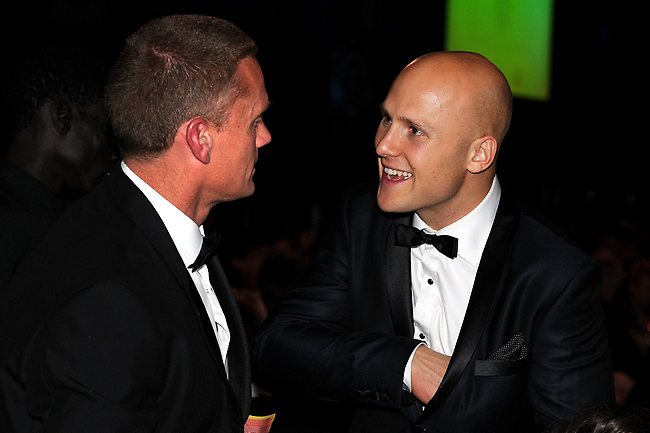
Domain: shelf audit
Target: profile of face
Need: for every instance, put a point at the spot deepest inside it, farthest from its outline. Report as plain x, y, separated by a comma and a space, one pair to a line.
79, 145
430, 140
235, 150
60, 134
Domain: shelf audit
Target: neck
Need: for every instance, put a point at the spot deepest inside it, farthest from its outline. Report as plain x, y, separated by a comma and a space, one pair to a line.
171, 181
38, 164
467, 199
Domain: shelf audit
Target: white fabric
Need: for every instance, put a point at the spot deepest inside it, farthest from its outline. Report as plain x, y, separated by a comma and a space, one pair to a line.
188, 237
440, 286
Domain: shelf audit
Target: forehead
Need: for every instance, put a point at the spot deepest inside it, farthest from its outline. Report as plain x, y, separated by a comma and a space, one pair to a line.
421, 97
252, 79
251, 76
249, 71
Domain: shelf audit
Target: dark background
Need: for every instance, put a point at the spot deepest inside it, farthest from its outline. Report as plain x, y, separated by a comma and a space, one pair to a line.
579, 158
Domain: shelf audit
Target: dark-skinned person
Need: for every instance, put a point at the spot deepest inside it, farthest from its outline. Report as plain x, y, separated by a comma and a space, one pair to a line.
59, 143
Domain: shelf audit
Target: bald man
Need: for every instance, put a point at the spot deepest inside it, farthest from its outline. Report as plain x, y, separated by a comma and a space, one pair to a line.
437, 303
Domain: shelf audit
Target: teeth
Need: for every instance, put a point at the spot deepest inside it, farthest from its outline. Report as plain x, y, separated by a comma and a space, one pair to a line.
403, 174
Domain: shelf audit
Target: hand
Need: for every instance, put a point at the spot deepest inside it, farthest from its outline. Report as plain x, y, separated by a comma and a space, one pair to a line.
427, 369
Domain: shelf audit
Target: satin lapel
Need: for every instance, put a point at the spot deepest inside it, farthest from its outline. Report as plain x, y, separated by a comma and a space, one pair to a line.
134, 203
490, 279
398, 277
206, 326
238, 351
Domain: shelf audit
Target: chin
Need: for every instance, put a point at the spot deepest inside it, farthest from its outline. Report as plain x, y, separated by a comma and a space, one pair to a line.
388, 205
394, 203
249, 191
395, 209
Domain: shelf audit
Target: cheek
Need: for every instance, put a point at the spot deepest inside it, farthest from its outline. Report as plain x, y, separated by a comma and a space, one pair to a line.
426, 162
237, 156
438, 171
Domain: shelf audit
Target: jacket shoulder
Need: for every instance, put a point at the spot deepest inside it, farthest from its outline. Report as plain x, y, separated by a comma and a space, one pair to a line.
359, 201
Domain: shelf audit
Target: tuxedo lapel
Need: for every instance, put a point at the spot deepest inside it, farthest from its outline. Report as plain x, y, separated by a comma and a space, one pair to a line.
206, 326
135, 204
398, 276
490, 279
238, 352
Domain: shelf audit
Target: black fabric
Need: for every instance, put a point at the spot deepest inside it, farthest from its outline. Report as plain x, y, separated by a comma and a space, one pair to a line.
343, 334
409, 236
119, 333
208, 248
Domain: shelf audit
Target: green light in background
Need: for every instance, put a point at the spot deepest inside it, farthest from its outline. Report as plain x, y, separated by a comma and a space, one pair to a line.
515, 35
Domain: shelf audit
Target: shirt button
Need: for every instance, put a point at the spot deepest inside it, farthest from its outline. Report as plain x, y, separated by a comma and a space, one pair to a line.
430, 281
422, 335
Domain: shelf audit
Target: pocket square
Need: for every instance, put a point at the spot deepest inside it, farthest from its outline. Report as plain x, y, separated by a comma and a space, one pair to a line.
513, 350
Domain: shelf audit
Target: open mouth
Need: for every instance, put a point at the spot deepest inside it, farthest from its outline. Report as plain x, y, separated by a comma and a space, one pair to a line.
397, 174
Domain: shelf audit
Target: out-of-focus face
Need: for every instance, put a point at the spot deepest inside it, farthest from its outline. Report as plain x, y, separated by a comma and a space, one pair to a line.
423, 143
235, 152
87, 151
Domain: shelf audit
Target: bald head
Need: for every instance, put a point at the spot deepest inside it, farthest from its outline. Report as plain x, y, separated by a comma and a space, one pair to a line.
467, 82
442, 124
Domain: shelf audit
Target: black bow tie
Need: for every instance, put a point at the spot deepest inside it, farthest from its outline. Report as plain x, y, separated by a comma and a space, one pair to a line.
208, 248
409, 236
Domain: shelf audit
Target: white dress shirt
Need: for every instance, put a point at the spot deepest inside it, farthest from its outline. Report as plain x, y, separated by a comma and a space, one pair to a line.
440, 286
188, 237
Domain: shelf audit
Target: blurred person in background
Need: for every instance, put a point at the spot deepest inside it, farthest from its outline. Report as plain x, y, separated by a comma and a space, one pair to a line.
59, 143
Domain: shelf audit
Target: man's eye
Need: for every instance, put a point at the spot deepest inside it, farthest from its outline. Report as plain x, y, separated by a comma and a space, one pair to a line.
415, 131
386, 120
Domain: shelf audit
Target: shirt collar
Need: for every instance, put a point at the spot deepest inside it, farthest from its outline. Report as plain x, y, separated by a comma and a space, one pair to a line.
185, 234
473, 229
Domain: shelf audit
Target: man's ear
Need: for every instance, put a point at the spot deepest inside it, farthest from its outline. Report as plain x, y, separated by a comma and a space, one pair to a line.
199, 138
483, 152
61, 117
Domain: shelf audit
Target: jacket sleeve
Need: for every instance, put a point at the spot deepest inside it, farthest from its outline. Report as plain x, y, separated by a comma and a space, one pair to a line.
310, 344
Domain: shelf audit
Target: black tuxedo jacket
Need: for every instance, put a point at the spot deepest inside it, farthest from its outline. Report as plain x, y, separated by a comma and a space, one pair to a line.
103, 330
531, 352
27, 210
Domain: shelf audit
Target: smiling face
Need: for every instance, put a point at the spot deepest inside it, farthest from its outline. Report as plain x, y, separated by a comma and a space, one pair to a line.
235, 149
434, 142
